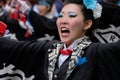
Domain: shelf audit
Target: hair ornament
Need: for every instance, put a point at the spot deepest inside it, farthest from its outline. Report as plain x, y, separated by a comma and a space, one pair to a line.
94, 6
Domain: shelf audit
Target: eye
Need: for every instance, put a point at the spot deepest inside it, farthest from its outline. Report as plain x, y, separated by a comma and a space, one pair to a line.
72, 14
60, 15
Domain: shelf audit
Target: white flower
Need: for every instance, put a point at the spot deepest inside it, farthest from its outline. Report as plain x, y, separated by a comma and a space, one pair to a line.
97, 12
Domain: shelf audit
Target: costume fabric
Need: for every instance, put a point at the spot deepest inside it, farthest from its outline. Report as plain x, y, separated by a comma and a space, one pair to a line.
29, 61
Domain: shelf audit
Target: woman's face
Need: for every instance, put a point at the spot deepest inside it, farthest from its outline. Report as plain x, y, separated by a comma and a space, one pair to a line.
70, 22
43, 9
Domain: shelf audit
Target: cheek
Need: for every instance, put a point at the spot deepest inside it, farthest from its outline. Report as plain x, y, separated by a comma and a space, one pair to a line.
39, 8
77, 27
76, 23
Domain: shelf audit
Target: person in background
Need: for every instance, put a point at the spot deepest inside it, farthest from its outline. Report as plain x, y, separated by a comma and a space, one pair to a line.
75, 57
43, 7
43, 26
12, 24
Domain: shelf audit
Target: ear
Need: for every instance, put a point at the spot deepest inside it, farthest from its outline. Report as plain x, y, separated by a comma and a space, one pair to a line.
88, 24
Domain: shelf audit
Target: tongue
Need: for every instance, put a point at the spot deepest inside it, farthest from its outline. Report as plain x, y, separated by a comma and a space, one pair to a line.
65, 33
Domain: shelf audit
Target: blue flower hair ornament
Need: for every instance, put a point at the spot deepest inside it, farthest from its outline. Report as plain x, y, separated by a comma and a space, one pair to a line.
90, 4
94, 6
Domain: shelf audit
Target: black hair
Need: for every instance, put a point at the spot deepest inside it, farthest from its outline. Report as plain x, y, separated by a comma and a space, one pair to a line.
88, 15
51, 3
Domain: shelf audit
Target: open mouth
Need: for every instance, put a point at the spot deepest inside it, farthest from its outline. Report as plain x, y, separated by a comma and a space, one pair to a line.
65, 30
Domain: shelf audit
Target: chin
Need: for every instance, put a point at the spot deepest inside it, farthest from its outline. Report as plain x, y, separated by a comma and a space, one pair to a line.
67, 42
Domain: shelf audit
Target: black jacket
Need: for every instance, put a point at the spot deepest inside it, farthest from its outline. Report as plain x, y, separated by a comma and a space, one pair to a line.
30, 60
42, 26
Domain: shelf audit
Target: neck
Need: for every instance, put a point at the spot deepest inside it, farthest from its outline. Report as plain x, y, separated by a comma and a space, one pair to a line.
74, 43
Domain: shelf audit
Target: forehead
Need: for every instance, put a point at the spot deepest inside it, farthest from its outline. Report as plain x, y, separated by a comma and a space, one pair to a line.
71, 8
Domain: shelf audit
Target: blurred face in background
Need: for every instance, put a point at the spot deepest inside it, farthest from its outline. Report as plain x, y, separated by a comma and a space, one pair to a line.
43, 9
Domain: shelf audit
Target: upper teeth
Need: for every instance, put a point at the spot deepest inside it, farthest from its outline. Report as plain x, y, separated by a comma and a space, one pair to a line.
64, 30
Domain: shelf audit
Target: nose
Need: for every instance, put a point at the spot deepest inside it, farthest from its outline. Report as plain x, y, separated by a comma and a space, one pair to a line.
64, 20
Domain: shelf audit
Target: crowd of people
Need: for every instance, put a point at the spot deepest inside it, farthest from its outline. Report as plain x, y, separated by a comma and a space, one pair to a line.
73, 55
20, 22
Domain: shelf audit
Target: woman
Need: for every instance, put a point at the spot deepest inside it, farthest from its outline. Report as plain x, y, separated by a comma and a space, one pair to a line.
83, 59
